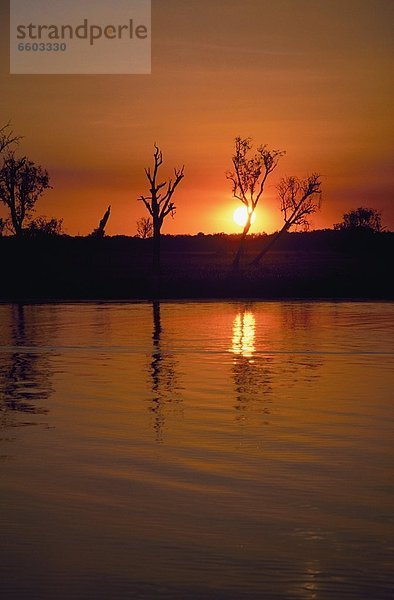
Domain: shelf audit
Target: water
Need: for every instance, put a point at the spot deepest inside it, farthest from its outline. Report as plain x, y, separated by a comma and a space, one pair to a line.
196, 450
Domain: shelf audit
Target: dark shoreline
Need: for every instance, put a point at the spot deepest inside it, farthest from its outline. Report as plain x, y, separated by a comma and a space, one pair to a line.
46, 301
315, 266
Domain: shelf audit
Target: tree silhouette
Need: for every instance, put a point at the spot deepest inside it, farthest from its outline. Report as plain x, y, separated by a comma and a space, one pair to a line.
45, 227
248, 179
144, 228
21, 185
99, 232
7, 137
299, 198
160, 202
361, 218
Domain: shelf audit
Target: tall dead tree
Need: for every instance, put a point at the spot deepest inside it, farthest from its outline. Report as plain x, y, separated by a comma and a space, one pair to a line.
248, 179
160, 202
99, 232
299, 198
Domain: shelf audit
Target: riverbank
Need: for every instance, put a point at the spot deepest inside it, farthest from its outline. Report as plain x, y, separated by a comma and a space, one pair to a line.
120, 268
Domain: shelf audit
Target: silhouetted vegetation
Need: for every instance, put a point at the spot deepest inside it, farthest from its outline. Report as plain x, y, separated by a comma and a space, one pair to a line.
7, 137
361, 218
44, 227
22, 183
160, 202
41, 262
99, 232
303, 264
298, 200
248, 179
144, 228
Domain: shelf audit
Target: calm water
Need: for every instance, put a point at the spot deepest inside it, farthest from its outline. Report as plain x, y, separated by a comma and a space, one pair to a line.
196, 450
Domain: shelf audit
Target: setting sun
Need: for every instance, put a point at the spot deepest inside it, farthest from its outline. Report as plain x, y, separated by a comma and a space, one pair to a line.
240, 216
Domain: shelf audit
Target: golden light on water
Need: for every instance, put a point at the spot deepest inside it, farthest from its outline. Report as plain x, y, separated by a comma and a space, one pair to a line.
244, 333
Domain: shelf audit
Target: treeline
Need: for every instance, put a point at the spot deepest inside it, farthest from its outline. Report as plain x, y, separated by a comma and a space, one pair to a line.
41, 262
323, 240
336, 240
331, 240
317, 264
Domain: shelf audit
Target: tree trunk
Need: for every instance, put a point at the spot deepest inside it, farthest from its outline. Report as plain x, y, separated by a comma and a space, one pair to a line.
237, 258
15, 221
156, 266
156, 250
255, 262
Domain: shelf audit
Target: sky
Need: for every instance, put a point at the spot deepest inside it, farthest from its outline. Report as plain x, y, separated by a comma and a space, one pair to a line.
311, 77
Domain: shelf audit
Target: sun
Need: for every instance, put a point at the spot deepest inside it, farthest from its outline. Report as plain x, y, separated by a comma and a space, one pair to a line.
240, 216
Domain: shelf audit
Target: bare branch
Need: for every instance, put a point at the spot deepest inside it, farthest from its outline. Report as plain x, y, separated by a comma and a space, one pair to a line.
146, 201
248, 179
6, 137
172, 185
160, 202
299, 199
144, 228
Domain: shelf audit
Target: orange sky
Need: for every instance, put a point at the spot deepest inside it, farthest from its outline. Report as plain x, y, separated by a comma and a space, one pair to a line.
311, 77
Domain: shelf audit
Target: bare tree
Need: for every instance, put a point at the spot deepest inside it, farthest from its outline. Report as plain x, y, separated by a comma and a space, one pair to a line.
144, 228
299, 198
99, 232
21, 185
160, 202
7, 137
248, 179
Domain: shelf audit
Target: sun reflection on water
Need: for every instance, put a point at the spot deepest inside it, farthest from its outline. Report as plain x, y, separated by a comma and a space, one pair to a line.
244, 333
